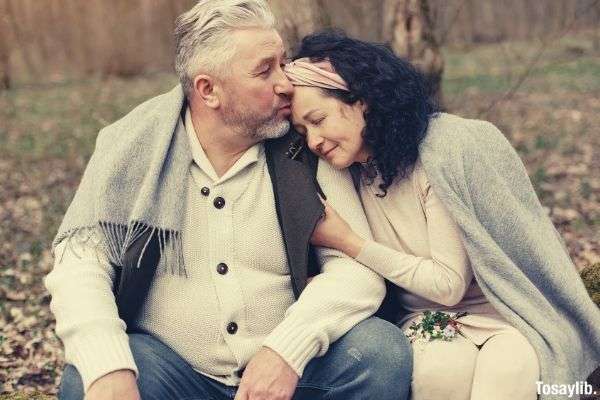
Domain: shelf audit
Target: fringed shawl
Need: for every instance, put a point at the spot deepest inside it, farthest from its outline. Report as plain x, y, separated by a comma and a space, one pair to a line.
135, 182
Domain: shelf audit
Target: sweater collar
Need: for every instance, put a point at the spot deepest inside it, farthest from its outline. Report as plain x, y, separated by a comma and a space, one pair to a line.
251, 156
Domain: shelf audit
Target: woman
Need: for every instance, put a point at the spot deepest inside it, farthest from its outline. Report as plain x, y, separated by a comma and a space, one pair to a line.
456, 225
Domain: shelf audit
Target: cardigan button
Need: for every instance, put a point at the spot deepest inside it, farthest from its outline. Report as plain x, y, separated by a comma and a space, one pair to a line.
222, 268
205, 191
232, 328
219, 202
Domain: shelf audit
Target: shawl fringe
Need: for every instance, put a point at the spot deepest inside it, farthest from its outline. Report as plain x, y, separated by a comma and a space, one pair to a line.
114, 240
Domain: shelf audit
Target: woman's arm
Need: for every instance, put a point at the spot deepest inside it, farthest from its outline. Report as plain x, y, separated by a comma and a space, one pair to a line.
443, 278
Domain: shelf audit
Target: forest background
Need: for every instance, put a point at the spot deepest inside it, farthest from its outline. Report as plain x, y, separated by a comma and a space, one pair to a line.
70, 67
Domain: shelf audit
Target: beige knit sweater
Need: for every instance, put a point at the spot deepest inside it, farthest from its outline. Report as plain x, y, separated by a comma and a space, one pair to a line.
191, 314
417, 246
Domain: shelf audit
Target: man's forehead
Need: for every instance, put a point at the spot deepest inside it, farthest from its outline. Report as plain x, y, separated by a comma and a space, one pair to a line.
259, 43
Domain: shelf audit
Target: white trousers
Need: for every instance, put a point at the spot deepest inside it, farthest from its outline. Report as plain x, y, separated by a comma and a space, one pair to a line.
505, 367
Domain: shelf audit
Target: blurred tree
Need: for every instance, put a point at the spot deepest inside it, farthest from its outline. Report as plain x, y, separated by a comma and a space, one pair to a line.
412, 36
298, 19
596, 15
19, 24
5, 79
51, 40
129, 57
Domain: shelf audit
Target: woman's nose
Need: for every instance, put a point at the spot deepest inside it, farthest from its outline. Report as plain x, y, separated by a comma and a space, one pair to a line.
314, 142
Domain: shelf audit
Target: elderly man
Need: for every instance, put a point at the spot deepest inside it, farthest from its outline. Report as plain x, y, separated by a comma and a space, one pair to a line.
182, 263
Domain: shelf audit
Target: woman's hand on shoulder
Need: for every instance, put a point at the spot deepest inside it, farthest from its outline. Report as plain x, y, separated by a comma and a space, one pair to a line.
334, 232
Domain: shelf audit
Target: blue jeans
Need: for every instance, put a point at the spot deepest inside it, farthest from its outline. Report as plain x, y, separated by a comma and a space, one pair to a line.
372, 361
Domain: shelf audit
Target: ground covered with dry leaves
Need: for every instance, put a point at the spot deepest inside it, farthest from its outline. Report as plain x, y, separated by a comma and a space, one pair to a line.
47, 134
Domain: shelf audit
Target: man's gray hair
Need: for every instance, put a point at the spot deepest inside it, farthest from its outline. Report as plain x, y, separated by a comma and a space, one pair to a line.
202, 42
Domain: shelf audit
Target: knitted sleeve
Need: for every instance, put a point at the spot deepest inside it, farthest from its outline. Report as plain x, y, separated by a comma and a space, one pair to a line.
87, 319
444, 277
341, 296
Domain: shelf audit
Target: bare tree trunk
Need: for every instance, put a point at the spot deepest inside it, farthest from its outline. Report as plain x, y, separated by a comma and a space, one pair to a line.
19, 37
5, 50
359, 18
412, 38
596, 41
471, 21
298, 19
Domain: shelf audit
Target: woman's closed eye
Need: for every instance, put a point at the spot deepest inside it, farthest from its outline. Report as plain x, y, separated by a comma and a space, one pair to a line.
318, 121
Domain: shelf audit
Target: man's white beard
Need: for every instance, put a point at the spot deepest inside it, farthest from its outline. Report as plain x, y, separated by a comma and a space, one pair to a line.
272, 129
249, 125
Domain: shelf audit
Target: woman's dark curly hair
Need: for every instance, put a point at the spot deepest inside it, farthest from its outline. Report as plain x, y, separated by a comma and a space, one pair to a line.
398, 108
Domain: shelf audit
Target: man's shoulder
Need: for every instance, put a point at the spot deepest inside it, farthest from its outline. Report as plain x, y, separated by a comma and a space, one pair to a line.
283, 143
291, 147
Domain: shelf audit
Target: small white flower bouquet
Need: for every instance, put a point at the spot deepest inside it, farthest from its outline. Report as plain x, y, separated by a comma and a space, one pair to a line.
434, 325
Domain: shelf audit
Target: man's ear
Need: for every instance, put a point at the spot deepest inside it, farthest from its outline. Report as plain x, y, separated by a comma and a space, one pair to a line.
204, 90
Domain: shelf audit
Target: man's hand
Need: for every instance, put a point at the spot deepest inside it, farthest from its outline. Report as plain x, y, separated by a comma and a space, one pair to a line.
267, 377
116, 385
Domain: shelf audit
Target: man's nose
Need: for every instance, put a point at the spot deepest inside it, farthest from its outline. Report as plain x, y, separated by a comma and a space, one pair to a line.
283, 86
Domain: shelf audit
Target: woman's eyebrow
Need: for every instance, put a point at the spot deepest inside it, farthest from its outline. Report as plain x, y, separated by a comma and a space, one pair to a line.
309, 113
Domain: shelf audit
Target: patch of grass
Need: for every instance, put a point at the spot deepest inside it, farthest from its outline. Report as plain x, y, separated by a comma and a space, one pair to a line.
569, 63
591, 280
61, 121
580, 75
479, 83
585, 189
546, 142
539, 176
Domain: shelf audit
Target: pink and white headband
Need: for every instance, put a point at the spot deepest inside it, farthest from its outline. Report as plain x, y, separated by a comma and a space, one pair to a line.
303, 72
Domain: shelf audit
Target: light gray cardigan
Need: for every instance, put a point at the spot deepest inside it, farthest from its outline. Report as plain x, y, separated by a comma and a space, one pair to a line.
518, 257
